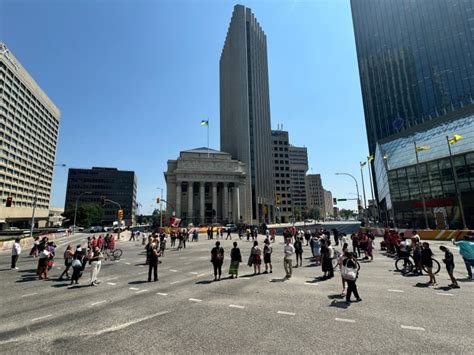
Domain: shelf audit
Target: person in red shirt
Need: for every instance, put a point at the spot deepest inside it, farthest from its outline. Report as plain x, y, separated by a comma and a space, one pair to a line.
100, 242
93, 243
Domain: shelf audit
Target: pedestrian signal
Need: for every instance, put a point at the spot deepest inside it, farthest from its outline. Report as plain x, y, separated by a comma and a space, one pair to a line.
120, 214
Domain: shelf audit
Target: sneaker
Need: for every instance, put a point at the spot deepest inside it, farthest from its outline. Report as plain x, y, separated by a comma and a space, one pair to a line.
455, 286
265, 272
17, 268
359, 299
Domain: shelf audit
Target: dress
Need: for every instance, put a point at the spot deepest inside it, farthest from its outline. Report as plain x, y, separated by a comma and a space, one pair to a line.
235, 260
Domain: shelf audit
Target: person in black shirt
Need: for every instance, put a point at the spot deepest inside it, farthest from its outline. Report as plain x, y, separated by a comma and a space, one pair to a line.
427, 262
298, 245
217, 259
152, 256
449, 262
235, 260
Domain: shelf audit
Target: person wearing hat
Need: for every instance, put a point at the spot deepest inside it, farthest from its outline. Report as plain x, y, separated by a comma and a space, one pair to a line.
466, 249
449, 262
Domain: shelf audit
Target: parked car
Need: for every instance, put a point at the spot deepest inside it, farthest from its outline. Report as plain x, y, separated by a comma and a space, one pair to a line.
96, 229
231, 227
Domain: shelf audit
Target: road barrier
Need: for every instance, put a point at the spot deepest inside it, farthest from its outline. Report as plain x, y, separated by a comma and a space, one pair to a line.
425, 234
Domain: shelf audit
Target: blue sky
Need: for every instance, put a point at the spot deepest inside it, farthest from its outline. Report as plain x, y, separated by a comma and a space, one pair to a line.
134, 78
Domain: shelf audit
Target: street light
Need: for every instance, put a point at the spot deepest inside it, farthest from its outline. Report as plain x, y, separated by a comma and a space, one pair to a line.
357, 188
161, 210
36, 196
450, 141
75, 209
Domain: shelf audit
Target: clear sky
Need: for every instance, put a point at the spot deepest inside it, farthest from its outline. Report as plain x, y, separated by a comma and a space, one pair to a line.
134, 78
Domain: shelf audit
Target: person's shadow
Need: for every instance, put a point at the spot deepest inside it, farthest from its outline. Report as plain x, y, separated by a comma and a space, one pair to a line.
138, 282
283, 279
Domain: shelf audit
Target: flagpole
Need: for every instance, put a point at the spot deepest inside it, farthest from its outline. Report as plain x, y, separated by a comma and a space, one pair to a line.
421, 191
370, 178
208, 138
363, 185
456, 186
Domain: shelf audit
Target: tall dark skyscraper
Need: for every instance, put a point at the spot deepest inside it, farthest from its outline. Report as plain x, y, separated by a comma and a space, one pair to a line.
416, 62
245, 109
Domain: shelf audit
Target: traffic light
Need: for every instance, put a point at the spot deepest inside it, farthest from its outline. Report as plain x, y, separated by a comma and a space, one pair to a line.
278, 199
158, 200
120, 214
334, 201
102, 201
9, 201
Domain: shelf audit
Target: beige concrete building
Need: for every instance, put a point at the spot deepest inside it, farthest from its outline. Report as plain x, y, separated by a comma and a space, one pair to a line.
207, 186
298, 170
328, 204
29, 124
281, 176
55, 217
317, 196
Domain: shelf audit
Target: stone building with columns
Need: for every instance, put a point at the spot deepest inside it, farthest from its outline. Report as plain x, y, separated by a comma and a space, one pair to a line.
207, 186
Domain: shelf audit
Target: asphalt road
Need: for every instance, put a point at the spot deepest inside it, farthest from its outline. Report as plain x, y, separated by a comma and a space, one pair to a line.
186, 312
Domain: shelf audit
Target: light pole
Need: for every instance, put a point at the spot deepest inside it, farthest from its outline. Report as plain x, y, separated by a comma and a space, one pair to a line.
362, 164
161, 210
357, 188
36, 197
385, 163
75, 209
453, 140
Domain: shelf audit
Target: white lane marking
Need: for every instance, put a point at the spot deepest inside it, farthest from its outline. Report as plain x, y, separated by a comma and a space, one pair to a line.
193, 273
172, 270
128, 324
141, 291
203, 257
236, 306
112, 278
399, 291
133, 288
311, 283
201, 275
58, 268
127, 263
29, 294
162, 294
444, 294
141, 265
96, 303
195, 300
43, 317
286, 313
111, 283
175, 282
344, 320
412, 328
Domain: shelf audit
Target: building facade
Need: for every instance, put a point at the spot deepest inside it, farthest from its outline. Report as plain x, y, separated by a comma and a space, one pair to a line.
415, 62
315, 193
298, 170
245, 128
328, 204
281, 176
90, 185
207, 186
29, 125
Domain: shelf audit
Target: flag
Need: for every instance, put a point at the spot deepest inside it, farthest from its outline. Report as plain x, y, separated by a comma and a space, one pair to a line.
363, 164
454, 139
420, 148
205, 123
370, 158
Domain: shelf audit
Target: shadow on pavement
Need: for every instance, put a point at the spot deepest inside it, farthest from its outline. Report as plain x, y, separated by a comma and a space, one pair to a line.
279, 280
9, 270
443, 288
72, 287
314, 281
204, 282
422, 285
60, 285
336, 296
138, 282
466, 279
339, 304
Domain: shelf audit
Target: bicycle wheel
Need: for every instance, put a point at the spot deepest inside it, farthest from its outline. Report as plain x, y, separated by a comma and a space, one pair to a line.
436, 267
404, 265
117, 254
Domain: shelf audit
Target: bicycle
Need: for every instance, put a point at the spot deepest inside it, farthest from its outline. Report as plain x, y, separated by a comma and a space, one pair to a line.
404, 265
436, 266
114, 255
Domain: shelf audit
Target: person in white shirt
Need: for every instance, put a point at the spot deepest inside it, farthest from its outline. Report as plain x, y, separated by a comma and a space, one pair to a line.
16, 251
288, 250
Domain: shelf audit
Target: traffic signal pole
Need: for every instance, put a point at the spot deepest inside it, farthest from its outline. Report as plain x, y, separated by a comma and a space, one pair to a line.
119, 215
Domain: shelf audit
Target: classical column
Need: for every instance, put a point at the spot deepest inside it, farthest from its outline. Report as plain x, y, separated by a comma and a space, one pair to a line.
202, 197
178, 199
225, 202
237, 194
190, 201
214, 200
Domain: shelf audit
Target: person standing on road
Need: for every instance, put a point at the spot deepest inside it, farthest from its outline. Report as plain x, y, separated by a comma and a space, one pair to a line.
95, 260
68, 255
256, 253
163, 239
16, 251
267, 256
228, 234
77, 265
427, 262
217, 259
235, 260
153, 255
298, 251
42, 270
288, 250
466, 249
351, 263
449, 262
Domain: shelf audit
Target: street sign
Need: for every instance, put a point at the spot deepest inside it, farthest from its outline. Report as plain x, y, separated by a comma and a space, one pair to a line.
342, 199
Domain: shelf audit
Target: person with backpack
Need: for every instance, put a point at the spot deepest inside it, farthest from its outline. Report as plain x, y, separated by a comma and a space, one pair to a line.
267, 256
217, 259
235, 260
256, 254
78, 265
68, 256
350, 274
152, 257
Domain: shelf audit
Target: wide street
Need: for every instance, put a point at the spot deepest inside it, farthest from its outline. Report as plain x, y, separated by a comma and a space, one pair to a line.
186, 312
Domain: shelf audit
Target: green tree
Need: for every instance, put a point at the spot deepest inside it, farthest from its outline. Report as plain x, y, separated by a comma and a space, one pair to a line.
346, 213
88, 214
313, 213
